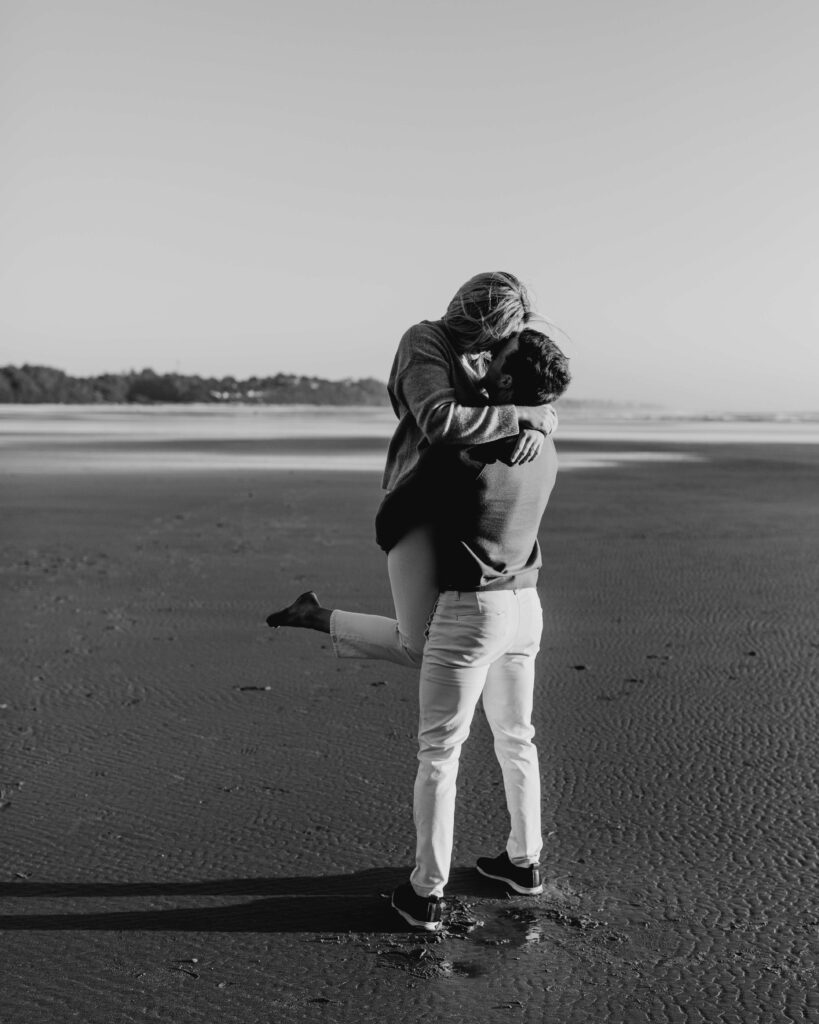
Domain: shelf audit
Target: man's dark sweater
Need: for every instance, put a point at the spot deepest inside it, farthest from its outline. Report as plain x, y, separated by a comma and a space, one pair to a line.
486, 513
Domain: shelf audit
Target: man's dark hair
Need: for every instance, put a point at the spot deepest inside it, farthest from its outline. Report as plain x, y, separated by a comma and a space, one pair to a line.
539, 370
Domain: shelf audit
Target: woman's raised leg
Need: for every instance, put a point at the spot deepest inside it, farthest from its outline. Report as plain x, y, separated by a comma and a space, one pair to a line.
414, 584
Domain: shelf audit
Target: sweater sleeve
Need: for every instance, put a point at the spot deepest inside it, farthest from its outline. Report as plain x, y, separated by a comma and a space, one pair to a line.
425, 384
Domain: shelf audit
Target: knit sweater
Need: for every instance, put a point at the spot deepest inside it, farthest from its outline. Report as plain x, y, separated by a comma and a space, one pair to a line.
434, 393
486, 513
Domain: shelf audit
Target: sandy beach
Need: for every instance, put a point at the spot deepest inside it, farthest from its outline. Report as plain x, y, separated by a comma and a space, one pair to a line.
200, 817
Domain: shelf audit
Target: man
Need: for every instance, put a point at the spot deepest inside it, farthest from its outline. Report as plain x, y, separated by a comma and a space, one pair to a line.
485, 631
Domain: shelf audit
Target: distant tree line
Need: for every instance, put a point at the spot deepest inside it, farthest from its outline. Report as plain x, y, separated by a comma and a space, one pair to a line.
37, 384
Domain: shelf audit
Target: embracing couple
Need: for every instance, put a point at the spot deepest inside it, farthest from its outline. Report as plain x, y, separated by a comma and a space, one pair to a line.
469, 471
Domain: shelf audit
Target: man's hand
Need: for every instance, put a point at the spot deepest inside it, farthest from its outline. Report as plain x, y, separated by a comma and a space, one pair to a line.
539, 417
527, 447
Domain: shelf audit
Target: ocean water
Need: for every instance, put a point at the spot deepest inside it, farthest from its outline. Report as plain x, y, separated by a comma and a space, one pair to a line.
71, 438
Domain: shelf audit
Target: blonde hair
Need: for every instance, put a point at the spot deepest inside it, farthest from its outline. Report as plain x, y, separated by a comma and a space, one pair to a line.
487, 309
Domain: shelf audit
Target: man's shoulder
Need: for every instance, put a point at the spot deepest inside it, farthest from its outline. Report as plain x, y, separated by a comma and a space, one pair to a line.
498, 479
499, 453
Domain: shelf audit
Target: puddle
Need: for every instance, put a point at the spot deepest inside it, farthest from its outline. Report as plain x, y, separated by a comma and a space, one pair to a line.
477, 933
428, 961
519, 926
513, 927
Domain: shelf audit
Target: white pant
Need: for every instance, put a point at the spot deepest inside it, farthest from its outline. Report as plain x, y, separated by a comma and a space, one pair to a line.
479, 643
413, 580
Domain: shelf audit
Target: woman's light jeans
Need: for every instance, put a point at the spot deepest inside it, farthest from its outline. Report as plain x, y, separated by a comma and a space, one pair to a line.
480, 644
413, 580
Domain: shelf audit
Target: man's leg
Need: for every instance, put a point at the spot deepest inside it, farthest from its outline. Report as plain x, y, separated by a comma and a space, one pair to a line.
508, 700
467, 633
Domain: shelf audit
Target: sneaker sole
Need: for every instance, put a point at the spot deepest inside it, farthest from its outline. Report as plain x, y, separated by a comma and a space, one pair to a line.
428, 926
534, 891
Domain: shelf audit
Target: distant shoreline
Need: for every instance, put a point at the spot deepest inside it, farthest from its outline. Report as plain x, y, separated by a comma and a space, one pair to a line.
573, 408
41, 439
32, 385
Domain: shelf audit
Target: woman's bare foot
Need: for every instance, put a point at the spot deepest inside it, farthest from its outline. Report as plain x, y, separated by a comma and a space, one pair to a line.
305, 612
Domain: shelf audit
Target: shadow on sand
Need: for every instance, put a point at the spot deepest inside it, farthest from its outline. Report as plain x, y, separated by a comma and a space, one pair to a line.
330, 903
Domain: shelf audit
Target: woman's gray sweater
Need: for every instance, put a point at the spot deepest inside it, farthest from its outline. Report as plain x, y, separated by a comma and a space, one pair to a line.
434, 393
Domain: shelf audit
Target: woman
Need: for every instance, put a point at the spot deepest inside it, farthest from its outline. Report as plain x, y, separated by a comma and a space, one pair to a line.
435, 393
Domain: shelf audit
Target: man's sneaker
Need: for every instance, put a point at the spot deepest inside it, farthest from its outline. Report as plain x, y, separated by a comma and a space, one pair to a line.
419, 911
526, 881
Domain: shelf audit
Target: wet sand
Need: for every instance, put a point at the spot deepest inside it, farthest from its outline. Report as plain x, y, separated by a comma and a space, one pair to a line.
199, 817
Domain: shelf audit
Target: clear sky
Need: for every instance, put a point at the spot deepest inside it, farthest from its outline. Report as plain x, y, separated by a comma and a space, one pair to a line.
246, 187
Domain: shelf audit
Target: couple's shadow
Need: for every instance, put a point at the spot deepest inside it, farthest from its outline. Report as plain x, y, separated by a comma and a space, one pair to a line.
328, 903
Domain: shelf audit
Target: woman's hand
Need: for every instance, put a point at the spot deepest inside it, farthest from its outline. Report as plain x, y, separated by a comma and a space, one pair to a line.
527, 447
539, 417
